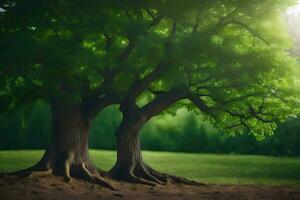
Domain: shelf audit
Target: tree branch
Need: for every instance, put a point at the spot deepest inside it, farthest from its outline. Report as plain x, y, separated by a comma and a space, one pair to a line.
200, 104
161, 102
128, 14
109, 41
222, 23
139, 86
195, 27
151, 14
132, 41
241, 97
128, 49
156, 92
94, 105
250, 30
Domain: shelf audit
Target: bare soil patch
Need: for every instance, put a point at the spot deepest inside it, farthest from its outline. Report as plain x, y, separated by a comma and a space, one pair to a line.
51, 187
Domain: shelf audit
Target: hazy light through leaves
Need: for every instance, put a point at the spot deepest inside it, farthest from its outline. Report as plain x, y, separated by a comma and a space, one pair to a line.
292, 16
295, 10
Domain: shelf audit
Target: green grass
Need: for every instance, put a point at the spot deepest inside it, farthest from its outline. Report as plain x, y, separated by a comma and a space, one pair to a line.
207, 168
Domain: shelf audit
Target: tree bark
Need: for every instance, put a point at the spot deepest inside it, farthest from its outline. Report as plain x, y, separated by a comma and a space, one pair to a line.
67, 154
69, 139
129, 165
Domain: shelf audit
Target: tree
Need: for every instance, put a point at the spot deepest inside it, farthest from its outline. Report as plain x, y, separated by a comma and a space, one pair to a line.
218, 55
46, 55
224, 57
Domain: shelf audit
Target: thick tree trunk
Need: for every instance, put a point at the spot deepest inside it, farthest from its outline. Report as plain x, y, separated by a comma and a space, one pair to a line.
69, 145
129, 165
67, 154
128, 150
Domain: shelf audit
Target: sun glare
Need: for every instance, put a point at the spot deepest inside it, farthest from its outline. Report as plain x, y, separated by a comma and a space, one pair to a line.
294, 10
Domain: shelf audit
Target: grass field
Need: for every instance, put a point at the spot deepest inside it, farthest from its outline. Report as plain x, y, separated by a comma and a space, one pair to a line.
206, 168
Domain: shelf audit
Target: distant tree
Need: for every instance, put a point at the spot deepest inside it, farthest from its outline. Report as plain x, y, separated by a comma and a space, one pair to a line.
285, 141
37, 127
103, 126
12, 125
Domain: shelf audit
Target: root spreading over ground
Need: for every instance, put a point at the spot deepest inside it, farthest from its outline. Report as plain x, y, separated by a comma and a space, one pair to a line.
69, 171
143, 174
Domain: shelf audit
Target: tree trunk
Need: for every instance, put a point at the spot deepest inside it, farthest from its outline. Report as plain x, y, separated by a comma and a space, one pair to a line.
67, 154
128, 149
129, 165
69, 145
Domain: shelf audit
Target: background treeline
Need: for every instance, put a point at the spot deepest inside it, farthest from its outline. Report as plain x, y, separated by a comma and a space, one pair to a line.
186, 132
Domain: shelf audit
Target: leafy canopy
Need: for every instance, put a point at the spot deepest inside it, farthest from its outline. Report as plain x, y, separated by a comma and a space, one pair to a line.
230, 58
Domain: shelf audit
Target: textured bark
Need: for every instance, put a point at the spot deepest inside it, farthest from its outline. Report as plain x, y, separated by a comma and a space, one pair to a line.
67, 154
129, 165
69, 140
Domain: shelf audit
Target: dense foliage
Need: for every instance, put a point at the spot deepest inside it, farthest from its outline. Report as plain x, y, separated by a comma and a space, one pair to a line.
229, 57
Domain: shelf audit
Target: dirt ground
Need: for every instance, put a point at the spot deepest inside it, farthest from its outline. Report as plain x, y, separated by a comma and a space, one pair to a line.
50, 187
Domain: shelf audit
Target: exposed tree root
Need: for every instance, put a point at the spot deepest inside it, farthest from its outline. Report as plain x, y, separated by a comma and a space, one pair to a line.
146, 175
36, 170
131, 177
94, 177
82, 171
165, 178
